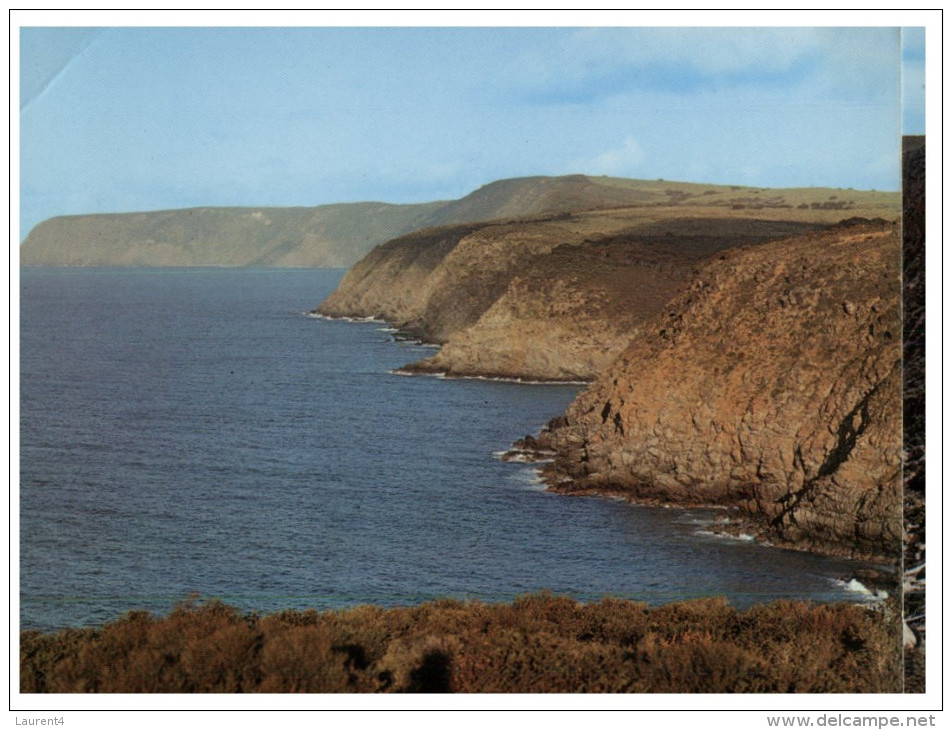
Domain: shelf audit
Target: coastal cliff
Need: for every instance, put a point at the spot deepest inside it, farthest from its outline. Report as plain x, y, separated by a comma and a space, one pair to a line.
566, 312
546, 299
772, 384
743, 354
553, 299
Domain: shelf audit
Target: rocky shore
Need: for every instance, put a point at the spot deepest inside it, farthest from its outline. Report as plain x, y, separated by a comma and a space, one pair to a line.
748, 363
772, 385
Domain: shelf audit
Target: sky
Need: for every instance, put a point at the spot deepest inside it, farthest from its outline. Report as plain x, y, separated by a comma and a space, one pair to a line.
120, 119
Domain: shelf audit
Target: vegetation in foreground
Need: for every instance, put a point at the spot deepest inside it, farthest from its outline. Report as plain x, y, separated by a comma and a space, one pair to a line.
538, 643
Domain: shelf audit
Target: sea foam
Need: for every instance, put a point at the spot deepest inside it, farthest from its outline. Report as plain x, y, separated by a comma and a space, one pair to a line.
854, 586
443, 375
742, 537
329, 318
530, 478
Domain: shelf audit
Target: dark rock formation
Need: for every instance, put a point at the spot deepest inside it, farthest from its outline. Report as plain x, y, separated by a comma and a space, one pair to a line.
914, 389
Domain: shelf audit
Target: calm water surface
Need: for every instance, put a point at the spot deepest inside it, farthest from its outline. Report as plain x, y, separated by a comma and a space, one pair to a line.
190, 431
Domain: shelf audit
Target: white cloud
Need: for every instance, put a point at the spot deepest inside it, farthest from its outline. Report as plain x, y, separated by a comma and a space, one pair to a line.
850, 62
712, 50
622, 160
749, 173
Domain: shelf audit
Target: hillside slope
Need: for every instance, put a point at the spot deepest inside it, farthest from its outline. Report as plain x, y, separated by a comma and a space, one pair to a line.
326, 236
339, 235
557, 297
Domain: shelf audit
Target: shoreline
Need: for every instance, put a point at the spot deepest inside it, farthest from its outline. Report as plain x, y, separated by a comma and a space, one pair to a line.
401, 334
744, 522
528, 450
740, 524
405, 371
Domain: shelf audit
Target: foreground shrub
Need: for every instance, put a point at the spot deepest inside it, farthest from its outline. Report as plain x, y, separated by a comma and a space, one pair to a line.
538, 643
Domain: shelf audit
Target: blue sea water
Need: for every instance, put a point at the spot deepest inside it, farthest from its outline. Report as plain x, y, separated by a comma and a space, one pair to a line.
190, 432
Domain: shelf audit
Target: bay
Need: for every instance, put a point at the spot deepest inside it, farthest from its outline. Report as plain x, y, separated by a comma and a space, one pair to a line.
191, 432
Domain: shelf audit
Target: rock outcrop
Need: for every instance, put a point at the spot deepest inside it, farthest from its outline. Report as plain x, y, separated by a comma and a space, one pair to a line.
567, 313
740, 358
772, 383
914, 427
553, 299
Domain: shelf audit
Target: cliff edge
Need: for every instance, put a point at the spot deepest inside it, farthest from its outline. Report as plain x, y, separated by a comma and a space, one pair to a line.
550, 299
557, 296
772, 384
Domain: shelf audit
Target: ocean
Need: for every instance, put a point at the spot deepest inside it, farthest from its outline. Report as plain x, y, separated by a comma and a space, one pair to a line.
192, 434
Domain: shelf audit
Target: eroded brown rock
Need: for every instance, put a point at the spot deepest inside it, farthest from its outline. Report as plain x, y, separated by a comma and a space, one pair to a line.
772, 383
553, 299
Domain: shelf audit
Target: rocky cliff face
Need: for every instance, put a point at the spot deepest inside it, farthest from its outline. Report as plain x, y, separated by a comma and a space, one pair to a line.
545, 299
748, 359
438, 282
751, 360
772, 383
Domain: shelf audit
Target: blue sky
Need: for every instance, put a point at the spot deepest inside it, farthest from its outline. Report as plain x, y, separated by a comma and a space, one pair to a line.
914, 80
121, 119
